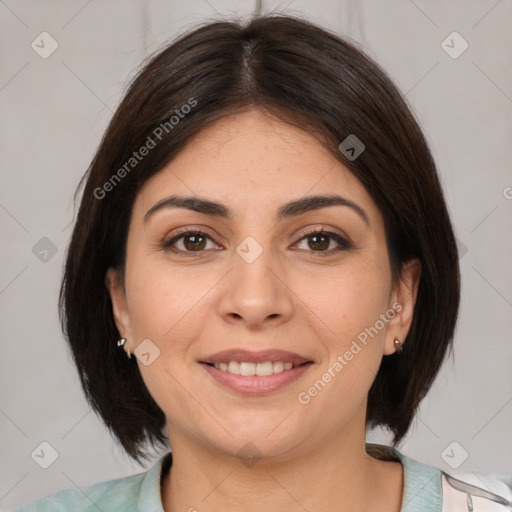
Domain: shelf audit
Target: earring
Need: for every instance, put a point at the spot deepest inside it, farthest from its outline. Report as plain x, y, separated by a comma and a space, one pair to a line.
121, 343
398, 346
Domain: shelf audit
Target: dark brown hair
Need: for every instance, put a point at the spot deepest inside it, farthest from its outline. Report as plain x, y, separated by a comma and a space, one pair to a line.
306, 76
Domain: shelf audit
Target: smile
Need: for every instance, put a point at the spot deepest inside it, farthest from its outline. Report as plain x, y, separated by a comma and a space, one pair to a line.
248, 369
252, 383
255, 373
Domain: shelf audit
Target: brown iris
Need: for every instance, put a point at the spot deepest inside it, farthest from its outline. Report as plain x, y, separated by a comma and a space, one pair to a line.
322, 245
194, 242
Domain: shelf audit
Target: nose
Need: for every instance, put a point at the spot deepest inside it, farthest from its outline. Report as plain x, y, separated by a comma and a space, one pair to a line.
256, 293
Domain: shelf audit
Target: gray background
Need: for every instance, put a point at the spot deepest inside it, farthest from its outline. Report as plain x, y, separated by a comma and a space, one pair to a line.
53, 113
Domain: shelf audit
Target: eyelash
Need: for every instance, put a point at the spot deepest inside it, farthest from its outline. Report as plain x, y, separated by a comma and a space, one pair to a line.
343, 243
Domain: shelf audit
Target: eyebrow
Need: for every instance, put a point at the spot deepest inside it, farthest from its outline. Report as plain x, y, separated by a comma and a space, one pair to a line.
290, 209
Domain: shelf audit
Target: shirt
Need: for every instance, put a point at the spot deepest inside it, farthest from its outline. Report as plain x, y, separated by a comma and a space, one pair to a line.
426, 489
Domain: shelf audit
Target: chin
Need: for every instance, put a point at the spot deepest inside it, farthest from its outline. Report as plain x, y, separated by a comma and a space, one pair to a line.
249, 441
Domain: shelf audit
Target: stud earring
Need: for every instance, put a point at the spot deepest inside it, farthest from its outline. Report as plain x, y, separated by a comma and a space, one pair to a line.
398, 346
121, 343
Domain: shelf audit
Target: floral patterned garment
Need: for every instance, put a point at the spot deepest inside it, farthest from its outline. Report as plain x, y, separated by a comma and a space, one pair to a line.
462, 496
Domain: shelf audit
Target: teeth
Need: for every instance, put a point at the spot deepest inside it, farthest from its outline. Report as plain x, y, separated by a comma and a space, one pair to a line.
258, 369
263, 369
247, 369
233, 367
278, 367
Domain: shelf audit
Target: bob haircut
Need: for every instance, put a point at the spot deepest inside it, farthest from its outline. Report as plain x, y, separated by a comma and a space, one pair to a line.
308, 77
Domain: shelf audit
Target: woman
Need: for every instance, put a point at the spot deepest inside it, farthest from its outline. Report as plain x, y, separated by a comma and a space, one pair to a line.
263, 233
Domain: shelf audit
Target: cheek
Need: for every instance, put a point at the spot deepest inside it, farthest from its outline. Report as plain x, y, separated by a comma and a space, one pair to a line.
347, 308
357, 316
153, 307
165, 309
161, 299
345, 301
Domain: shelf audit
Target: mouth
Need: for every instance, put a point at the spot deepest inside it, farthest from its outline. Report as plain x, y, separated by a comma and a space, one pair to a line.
248, 369
255, 372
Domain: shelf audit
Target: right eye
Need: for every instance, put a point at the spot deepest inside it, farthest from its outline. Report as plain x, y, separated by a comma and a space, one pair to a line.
192, 241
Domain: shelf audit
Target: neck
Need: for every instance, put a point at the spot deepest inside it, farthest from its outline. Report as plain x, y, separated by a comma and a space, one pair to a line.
330, 475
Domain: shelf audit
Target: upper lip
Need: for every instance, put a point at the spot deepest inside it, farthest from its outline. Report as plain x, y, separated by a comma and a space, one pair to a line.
261, 356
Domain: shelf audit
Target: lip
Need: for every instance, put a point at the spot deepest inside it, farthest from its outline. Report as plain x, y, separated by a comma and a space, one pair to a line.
255, 385
260, 356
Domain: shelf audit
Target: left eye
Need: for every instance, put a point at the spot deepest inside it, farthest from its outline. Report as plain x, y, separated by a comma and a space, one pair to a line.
319, 241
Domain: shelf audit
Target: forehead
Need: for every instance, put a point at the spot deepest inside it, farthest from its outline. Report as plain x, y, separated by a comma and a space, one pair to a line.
254, 162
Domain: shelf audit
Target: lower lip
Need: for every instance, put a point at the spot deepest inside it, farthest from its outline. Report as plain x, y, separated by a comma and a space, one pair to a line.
255, 385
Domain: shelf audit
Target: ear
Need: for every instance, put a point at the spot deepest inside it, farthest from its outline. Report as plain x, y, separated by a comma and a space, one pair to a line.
402, 301
119, 305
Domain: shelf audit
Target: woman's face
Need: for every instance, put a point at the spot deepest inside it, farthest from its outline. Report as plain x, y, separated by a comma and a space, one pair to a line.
256, 286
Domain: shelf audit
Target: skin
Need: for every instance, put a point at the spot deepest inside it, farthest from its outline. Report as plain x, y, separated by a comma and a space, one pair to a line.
294, 296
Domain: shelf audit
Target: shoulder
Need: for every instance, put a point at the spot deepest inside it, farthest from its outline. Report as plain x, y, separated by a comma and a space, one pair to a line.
119, 495
427, 488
